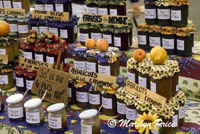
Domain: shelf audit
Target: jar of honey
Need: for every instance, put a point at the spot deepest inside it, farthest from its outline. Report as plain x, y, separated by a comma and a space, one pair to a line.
12, 21
12, 38
80, 58
20, 79
132, 66
23, 26
6, 76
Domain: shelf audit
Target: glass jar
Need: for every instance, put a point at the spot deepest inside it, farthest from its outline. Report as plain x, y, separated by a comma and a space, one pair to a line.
91, 63
7, 3
53, 27
17, 4
107, 31
23, 27
66, 31
121, 106
154, 36
30, 78
90, 122
6, 76
51, 55
174, 124
80, 58
143, 36
84, 29
95, 31
34, 24
15, 107
103, 7
39, 5
12, 21
63, 6
94, 98
164, 16
49, 5
43, 26
57, 120
40, 54
117, 8
34, 112
72, 92
181, 114
131, 112
150, 12
1, 3
20, 79
92, 7
13, 40
1, 102
28, 52
133, 75
26, 5
3, 17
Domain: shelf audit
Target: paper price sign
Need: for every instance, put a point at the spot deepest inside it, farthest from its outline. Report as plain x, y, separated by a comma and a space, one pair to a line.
12, 11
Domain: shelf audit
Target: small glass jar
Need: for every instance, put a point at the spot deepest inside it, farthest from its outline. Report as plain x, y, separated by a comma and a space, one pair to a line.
95, 31
103, 7
23, 27
121, 106
6, 76
53, 27
34, 112
84, 29
132, 66
57, 120
43, 26
1, 102
49, 5
164, 15
150, 12
131, 112
92, 6
91, 63
117, 8
40, 54
154, 36
39, 5
107, 31
80, 58
72, 92
51, 55
143, 36
20, 79
15, 107
174, 124
12, 21
66, 31
28, 52
90, 122
94, 99
7, 3
30, 78
14, 43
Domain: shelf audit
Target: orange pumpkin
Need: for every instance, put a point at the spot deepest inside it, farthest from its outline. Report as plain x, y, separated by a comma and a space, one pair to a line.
4, 28
102, 45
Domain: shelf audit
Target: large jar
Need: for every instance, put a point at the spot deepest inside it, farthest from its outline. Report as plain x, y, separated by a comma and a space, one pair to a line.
39, 5
95, 31
103, 7
154, 36
43, 26
94, 98
12, 37
132, 66
53, 27
91, 63
92, 7
118, 8
49, 5
20, 79
40, 54
164, 14
84, 29
7, 3
23, 27
6, 76
107, 31
12, 21
143, 36
34, 112
30, 78
150, 12
121, 106
66, 31
80, 58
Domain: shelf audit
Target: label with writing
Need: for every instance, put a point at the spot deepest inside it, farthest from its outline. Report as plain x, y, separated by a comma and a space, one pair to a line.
153, 86
28, 55
19, 82
103, 11
63, 33
168, 43
107, 103
43, 29
80, 65
142, 39
108, 38
176, 15
48, 7
29, 84
113, 12
17, 5
121, 108
131, 76
55, 122
3, 79
23, 29
3, 51
15, 113
35, 28
164, 14
142, 81
150, 13
69, 92
96, 36
92, 10
50, 59
94, 99
154, 41
7, 4
82, 96
104, 70
180, 45
175, 121
13, 27
177, 88
182, 113
3, 59
117, 41
54, 30
59, 8
39, 7
86, 129
84, 37
131, 114
1, 4
39, 57
91, 66
33, 117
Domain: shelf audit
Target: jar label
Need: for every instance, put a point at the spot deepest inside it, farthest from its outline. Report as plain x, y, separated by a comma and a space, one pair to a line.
175, 121
64, 34
39, 7
17, 5
176, 15
107, 103
142, 40
108, 38
13, 28
103, 11
55, 122
164, 14
182, 113
91, 66
39, 57
1, 4
43, 29
92, 10
113, 12
33, 118
48, 7
131, 114
36, 29
19, 82
84, 37
54, 30
121, 108
153, 86
94, 99
180, 45
29, 84
96, 36
142, 82
117, 41
82, 96
86, 129
3, 79
154, 41
150, 13
15, 113
3, 51
131, 76
80, 65
59, 8
23, 29
168, 43
28, 55
7, 4
50, 59
69, 92
177, 88
104, 70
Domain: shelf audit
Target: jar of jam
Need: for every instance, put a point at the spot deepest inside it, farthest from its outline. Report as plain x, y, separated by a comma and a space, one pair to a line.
28, 52
90, 122
91, 63
181, 114
94, 98
174, 124
17, 4
39, 5
49, 5
107, 31
7, 3
6, 76
95, 31
51, 55
57, 120
80, 58
34, 24
12, 21
1, 3
143, 36
63, 6
132, 66
53, 27
92, 7
103, 7
84, 29
72, 92
66, 31
30, 78
34, 112
116, 55
13, 40
164, 15
20, 79
154, 36
43, 26
150, 12
2, 17
40, 54
118, 7
15, 107
1, 102
121, 106
23, 27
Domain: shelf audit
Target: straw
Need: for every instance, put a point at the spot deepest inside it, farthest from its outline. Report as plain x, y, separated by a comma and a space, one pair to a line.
44, 95
26, 92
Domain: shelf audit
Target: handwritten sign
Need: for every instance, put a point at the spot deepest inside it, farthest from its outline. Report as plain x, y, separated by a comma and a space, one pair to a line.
3, 59
12, 11
91, 77
32, 64
105, 19
51, 15
55, 82
145, 94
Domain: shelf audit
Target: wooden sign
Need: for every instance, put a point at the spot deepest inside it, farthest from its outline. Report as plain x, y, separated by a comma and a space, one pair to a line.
50, 15
3, 59
91, 77
32, 64
105, 19
145, 94
54, 81
12, 11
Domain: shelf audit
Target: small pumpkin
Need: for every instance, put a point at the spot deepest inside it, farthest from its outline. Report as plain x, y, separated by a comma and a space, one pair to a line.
4, 28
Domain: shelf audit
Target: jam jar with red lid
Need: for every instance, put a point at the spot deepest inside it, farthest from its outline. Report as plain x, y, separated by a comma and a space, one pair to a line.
79, 55
107, 31
150, 12
103, 7
30, 76
20, 79
84, 29
40, 54
51, 55
118, 7
92, 6
28, 51
95, 31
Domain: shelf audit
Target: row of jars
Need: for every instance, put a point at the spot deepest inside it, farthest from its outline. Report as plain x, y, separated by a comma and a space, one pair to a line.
178, 41
118, 35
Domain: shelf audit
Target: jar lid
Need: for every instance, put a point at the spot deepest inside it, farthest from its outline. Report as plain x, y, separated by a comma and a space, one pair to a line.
56, 107
33, 103
14, 98
88, 114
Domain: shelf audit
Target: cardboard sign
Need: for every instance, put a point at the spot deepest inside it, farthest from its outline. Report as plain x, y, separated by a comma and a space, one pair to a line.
50, 15
145, 94
32, 64
91, 77
12, 11
105, 19
3, 59
55, 82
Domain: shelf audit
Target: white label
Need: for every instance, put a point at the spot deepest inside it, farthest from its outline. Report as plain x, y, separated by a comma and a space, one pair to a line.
131, 114
182, 113
63, 34
164, 14
117, 41
107, 103
33, 118
94, 99
86, 129
84, 37
153, 87
43, 29
82, 96
50, 59
39, 7
121, 108
23, 29
1, 4
55, 122
54, 30
3, 79
7, 4
36, 29
142, 40
175, 121
3, 51
142, 82
96, 36
59, 8
113, 12
108, 38
131, 76
103, 11
29, 84
69, 92
17, 5
28, 55
92, 10
80, 65
48, 7
154, 41
19, 82
39, 57
104, 70
91, 67
177, 88
13, 27
181, 45
150, 13
168, 43
176, 15
15, 113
